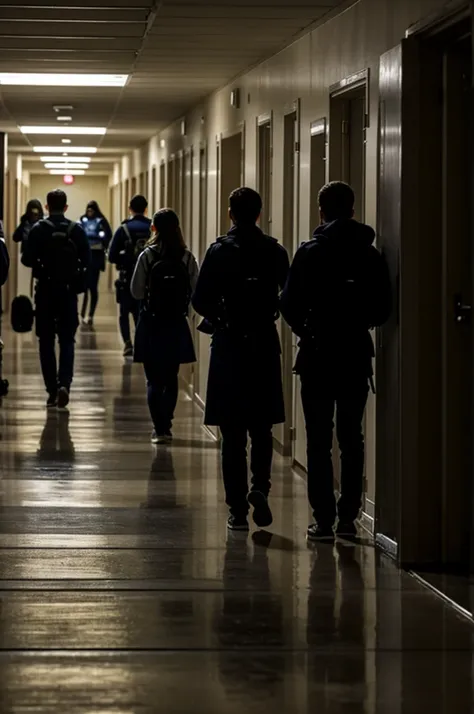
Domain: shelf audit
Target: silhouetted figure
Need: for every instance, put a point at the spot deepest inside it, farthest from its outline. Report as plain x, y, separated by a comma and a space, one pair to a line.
164, 278
127, 244
98, 232
58, 251
237, 292
337, 290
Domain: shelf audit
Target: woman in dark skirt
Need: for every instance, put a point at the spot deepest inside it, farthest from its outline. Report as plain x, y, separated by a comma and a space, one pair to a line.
164, 280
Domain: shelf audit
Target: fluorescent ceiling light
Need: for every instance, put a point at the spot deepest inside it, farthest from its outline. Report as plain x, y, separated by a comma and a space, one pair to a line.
60, 149
65, 166
63, 118
47, 79
66, 141
63, 172
76, 130
73, 158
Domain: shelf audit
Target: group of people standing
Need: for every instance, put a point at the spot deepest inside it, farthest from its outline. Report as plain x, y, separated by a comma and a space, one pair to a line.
334, 293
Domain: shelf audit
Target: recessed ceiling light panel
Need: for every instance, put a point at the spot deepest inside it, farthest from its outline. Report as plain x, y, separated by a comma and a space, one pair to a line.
66, 166
64, 118
49, 79
71, 130
83, 159
60, 149
62, 172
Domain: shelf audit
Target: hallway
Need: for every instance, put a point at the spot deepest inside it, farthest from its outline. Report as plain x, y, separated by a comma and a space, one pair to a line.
121, 591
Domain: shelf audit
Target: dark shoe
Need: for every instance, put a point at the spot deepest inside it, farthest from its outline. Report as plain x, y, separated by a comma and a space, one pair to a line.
320, 533
128, 350
346, 530
52, 402
237, 523
63, 398
90, 322
161, 438
262, 515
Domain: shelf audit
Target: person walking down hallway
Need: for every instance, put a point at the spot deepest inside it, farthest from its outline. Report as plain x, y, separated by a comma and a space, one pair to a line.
237, 292
128, 242
98, 232
58, 251
31, 216
337, 290
164, 278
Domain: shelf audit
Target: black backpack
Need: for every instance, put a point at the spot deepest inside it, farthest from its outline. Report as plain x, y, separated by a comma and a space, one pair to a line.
135, 246
169, 289
60, 263
251, 301
22, 314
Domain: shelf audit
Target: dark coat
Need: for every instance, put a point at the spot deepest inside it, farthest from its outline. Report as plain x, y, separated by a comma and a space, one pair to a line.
121, 253
335, 339
162, 343
245, 381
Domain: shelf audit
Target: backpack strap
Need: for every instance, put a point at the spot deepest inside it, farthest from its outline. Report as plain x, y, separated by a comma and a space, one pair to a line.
126, 230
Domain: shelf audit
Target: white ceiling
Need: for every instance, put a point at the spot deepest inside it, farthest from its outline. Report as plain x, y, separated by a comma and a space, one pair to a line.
175, 51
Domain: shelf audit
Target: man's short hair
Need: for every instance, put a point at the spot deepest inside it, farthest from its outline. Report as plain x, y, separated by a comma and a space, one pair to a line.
139, 204
336, 200
245, 205
56, 200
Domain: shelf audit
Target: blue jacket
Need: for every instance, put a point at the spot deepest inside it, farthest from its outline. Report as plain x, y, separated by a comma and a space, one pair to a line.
98, 232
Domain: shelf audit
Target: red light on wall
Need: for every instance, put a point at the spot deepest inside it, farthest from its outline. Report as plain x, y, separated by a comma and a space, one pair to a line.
68, 179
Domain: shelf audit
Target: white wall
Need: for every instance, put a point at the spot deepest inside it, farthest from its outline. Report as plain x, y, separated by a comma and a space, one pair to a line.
83, 190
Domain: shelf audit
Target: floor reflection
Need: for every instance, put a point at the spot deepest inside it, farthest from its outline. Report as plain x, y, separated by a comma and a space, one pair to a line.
56, 443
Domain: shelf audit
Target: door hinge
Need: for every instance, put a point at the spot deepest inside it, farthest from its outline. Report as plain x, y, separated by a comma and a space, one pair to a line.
345, 126
297, 147
292, 434
366, 121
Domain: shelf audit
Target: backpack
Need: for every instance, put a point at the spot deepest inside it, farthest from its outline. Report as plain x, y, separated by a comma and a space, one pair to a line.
22, 314
60, 260
169, 289
252, 299
135, 247
344, 295
92, 229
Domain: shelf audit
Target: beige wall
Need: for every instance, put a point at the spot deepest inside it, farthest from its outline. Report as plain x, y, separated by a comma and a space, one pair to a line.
305, 71
84, 189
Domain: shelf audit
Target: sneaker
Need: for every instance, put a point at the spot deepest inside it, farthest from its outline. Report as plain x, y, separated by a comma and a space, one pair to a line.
161, 438
128, 350
235, 523
346, 530
319, 533
262, 515
52, 402
63, 398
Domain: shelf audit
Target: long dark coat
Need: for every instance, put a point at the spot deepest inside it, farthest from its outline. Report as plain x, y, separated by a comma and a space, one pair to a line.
245, 381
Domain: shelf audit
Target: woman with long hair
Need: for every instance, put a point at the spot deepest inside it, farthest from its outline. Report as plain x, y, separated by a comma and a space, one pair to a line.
164, 280
32, 214
99, 234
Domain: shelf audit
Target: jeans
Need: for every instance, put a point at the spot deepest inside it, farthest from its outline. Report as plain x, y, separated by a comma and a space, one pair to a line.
56, 315
162, 394
318, 407
92, 287
128, 305
234, 463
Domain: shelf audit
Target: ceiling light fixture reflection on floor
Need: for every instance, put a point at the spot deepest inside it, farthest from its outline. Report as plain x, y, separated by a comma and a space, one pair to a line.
62, 172
60, 149
49, 79
66, 166
76, 130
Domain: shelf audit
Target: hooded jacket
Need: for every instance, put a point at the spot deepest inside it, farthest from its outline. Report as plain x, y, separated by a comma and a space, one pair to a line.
338, 287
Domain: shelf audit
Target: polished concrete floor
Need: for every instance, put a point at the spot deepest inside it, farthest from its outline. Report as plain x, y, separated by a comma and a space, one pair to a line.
121, 592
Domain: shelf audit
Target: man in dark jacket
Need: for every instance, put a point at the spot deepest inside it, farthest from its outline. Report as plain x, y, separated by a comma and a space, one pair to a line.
337, 290
58, 252
237, 292
127, 244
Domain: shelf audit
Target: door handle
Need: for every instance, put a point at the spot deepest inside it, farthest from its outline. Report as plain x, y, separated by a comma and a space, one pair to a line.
462, 312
